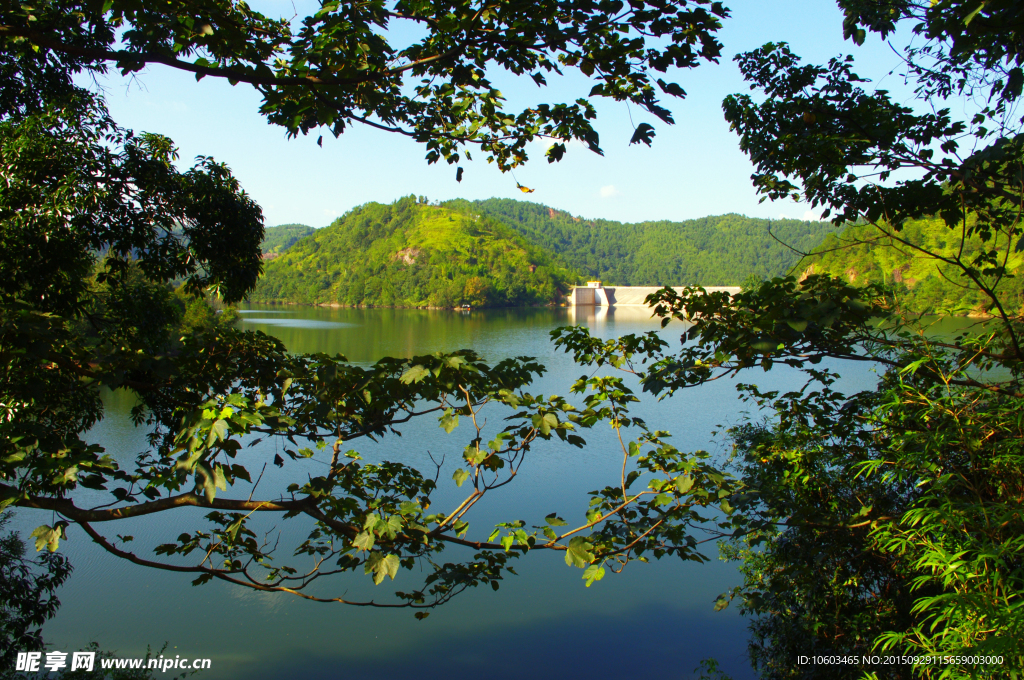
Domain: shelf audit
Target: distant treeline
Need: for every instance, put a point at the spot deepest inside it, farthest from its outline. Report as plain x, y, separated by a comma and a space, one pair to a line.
411, 254
721, 250
503, 252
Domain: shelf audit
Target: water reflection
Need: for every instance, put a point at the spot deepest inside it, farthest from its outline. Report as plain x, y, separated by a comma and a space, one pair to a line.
660, 614
294, 323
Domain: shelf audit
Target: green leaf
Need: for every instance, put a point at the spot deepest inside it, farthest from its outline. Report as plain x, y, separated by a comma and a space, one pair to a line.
595, 572
393, 525
970, 17
684, 483
232, 531
49, 537
473, 454
460, 476
205, 480
554, 520
449, 421
70, 474
381, 566
912, 367
545, 423
364, 540
391, 564
201, 579
798, 326
218, 431
415, 374
578, 553
644, 133
219, 480
456, 362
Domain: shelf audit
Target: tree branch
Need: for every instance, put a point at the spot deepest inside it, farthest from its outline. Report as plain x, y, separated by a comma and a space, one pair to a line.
68, 508
126, 56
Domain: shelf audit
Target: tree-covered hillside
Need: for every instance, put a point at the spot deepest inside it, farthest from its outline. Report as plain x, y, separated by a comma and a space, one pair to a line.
721, 250
923, 282
410, 254
282, 237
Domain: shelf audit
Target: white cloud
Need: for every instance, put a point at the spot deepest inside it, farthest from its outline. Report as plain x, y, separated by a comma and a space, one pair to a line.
811, 216
610, 191
782, 217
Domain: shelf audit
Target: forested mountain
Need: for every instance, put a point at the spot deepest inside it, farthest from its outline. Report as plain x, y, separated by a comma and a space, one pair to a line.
721, 250
280, 238
411, 254
923, 283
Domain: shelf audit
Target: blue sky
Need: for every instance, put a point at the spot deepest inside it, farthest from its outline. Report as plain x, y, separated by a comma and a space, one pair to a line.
694, 169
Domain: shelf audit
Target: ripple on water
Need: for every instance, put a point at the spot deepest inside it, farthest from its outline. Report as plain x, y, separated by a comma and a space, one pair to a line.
297, 323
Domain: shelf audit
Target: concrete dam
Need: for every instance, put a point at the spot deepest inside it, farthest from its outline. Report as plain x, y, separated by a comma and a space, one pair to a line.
597, 295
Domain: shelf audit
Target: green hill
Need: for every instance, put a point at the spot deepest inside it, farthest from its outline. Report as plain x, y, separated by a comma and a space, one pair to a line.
411, 254
722, 250
282, 237
923, 284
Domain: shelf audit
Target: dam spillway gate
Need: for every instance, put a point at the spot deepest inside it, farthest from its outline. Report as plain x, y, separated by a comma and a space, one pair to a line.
597, 295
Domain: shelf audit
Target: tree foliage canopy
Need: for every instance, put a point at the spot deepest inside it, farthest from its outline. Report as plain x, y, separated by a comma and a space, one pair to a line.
338, 67
906, 499
886, 521
27, 597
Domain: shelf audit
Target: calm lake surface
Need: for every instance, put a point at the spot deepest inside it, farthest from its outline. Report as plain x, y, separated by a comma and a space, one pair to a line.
651, 619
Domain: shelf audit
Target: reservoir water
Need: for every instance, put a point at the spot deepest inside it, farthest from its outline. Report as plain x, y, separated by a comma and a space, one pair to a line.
652, 620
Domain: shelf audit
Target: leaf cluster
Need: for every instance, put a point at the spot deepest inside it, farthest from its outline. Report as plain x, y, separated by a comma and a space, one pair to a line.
339, 66
27, 597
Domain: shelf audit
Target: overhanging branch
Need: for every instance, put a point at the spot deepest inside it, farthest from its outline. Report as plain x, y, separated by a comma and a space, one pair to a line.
126, 56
